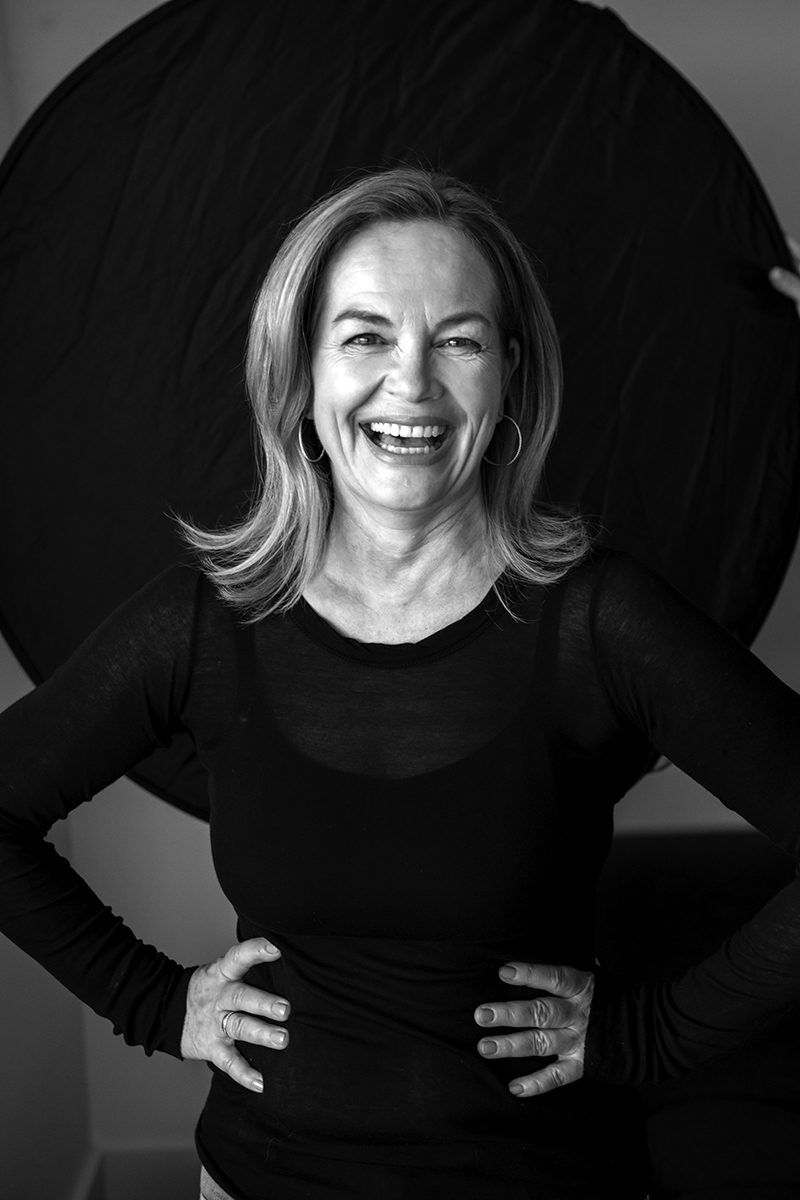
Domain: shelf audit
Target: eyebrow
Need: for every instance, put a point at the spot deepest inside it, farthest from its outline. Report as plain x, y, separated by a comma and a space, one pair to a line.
360, 314
373, 318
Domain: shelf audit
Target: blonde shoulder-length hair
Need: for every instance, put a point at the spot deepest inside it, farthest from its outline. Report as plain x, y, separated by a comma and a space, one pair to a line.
263, 564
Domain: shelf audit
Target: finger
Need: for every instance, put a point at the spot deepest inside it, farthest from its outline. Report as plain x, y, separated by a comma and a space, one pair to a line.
531, 1043
786, 282
546, 1012
242, 997
240, 958
556, 1075
228, 1059
559, 981
794, 247
239, 1027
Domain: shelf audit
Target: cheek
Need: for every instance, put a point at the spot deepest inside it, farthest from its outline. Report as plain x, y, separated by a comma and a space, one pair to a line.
340, 392
333, 411
486, 398
324, 394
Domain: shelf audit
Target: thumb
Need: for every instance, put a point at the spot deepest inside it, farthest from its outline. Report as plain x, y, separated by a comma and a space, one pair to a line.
240, 958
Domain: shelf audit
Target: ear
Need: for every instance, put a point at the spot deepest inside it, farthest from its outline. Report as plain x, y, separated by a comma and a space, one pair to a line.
510, 365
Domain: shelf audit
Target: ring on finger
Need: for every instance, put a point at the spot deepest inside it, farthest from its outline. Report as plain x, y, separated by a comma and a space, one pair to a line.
226, 1017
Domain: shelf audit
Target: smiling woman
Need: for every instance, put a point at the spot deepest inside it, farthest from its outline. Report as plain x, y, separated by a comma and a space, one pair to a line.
401, 299
418, 694
410, 374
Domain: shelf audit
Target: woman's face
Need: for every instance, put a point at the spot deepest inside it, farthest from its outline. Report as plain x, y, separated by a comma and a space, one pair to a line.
408, 368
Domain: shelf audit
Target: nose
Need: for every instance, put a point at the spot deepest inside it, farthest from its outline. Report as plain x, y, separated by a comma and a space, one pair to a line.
411, 377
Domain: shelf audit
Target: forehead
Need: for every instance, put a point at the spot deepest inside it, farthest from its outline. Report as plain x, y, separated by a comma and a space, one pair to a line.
423, 260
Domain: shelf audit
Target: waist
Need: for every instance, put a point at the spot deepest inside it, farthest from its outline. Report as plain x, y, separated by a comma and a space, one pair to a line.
383, 1040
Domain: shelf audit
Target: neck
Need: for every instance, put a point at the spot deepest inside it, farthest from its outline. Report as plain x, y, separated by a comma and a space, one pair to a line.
399, 576
401, 552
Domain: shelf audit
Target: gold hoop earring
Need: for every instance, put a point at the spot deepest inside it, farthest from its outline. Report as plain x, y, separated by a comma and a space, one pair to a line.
506, 417
303, 449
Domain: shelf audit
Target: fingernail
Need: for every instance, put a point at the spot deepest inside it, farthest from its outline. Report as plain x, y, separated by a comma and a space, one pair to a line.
269, 948
508, 972
280, 1010
488, 1047
279, 1037
485, 1015
258, 1085
516, 1089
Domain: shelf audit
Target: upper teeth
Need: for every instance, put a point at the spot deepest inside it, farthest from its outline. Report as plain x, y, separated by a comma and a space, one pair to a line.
415, 431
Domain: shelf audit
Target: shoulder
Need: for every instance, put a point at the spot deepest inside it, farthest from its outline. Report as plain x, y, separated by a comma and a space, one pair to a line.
163, 618
177, 584
611, 593
170, 598
617, 607
609, 580
627, 594
181, 589
600, 572
642, 629
604, 567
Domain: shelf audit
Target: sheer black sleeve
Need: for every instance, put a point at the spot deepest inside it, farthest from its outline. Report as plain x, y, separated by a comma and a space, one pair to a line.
117, 698
717, 712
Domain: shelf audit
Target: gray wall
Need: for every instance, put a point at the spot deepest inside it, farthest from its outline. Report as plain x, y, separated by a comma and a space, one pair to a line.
68, 1084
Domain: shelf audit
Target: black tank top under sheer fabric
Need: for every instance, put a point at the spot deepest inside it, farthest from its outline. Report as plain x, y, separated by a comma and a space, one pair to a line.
401, 821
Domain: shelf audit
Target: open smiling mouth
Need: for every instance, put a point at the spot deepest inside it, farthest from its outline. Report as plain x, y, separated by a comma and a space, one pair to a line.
405, 439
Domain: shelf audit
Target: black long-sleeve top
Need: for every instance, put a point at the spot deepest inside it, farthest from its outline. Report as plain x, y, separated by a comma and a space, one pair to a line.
401, 821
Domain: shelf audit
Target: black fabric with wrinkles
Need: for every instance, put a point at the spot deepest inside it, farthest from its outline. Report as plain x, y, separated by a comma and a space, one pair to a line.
401, 821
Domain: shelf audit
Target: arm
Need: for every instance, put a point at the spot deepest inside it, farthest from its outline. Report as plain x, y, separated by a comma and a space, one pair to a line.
716, 711
125, 691
119, 696
719, 714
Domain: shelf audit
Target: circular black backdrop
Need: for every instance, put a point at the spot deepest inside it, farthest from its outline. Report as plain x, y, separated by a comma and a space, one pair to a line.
141, 205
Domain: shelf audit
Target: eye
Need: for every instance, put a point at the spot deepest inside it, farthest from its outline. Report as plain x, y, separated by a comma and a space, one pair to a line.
462, 343
364, 339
